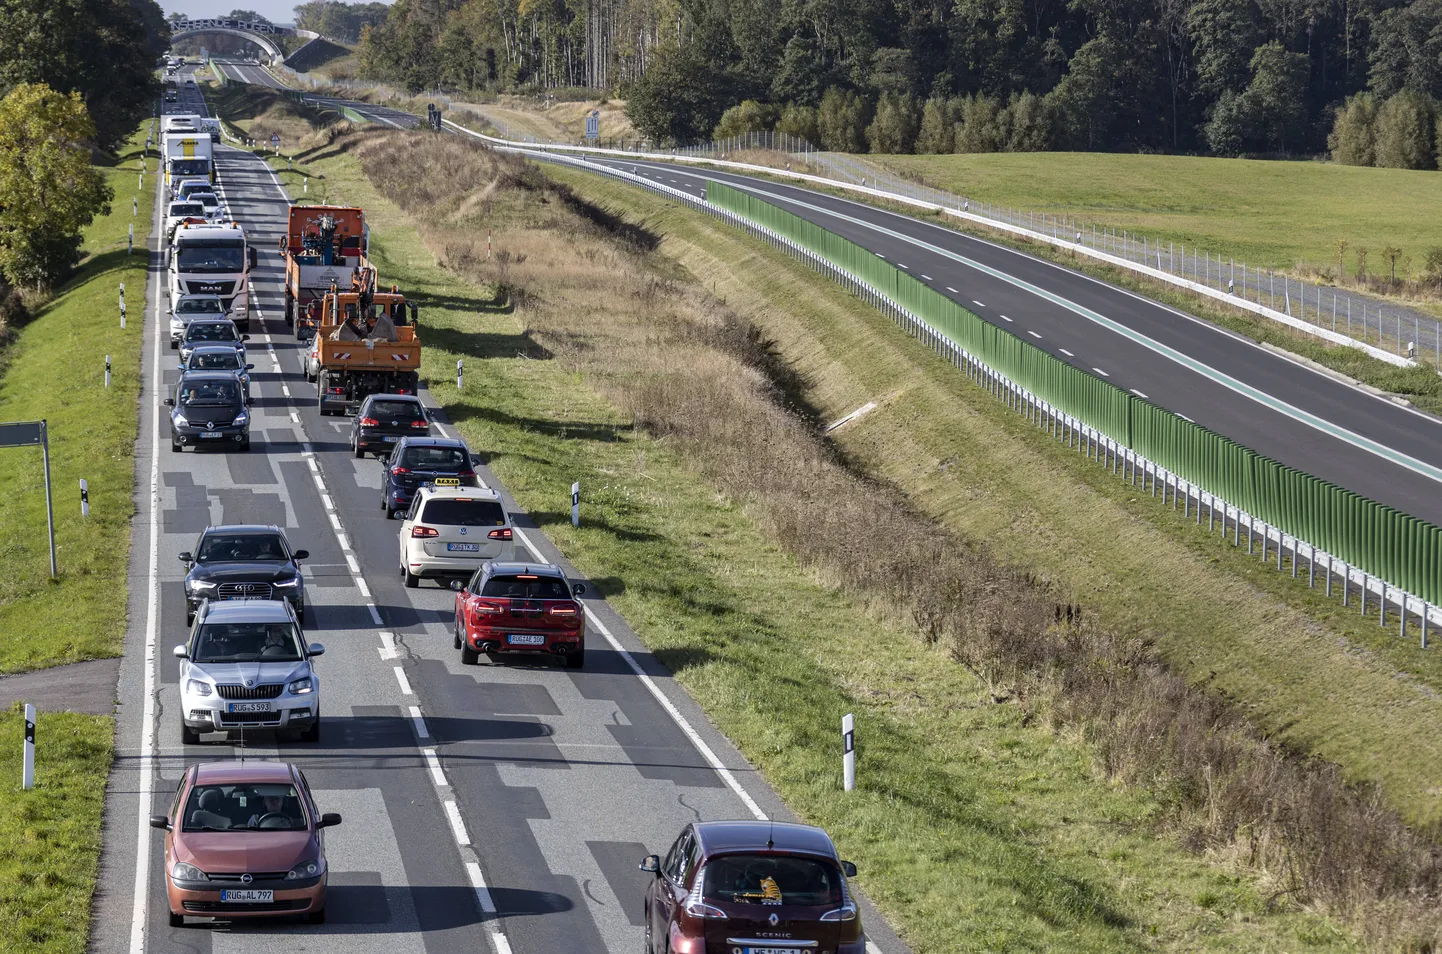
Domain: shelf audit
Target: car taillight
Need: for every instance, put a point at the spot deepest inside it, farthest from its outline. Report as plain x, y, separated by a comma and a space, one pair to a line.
697, 908
424, 532
336, 390
564, 609
504, 533
847, 912
489, 608
419, 424
368, 422
400, 470
466, 473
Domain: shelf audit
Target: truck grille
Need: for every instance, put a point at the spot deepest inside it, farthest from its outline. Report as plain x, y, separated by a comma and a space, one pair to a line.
231, 690
253, 591
223, 289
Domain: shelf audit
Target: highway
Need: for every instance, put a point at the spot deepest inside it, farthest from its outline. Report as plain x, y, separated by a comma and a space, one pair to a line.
1270, 402
497, 808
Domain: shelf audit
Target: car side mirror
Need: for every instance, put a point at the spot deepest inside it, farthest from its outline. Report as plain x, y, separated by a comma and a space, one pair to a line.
179, 651
160, 821
316, 649
245, 337
577, 589
300, 555
329, 820
415, 313
848, 869
185, 557
254, 257
651, 863
250, 367
476, 460
170, 402
458, 585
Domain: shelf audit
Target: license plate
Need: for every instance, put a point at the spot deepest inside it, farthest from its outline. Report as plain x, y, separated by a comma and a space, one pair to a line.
464, 547
250, 707
390, 440
769, 950
447, 482
207, 435
526, 639
247, 895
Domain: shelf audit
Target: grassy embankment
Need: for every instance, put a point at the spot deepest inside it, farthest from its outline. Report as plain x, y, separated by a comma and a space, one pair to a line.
980, 828
50, 836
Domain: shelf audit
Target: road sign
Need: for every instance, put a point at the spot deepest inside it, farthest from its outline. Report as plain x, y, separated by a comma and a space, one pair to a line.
21, 434
275, 139
593, 124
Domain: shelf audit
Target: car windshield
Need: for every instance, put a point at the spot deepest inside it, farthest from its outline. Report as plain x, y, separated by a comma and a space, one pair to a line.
211, 331
199, 306
436, 458
186, 208
196, 393
233, 547
217, 255
771, 879
526, 586
189, 167
226, 360
242, 807
246, 642
396, 411
461, 512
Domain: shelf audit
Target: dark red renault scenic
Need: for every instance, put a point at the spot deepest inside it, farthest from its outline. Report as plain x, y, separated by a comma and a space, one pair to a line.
754, 887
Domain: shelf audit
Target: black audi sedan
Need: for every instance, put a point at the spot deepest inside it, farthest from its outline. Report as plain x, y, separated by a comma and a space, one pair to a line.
243, 562
383, 419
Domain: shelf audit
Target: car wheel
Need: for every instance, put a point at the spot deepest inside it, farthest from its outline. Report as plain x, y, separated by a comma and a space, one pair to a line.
175, 346
469, 657
177, 920
189, 619
457, 633
300, 614
355, 449
316, 917
312, 734
245, 445
412, 581
577, 659
189, 736
174, 446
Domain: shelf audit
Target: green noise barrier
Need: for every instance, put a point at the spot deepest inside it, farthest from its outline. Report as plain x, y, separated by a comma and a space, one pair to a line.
1394, 547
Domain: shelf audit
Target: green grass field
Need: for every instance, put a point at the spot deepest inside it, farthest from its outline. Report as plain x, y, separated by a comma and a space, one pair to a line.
1270, 214
975, 829
56, 370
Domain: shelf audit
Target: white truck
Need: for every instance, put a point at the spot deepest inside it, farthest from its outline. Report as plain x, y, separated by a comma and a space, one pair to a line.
213, 259
187, 155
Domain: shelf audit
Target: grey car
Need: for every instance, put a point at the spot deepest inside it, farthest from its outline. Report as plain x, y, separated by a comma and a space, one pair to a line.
220, 357
209, 408
247, 666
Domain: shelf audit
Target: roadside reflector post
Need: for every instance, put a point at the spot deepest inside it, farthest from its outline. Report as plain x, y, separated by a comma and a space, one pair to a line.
576, 504
134, 205
84, 498
130, 240
107, 370
848, 751
28, 773
305, 184
460, 367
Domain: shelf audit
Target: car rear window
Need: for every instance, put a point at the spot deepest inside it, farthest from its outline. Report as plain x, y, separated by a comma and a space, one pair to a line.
211, 331
526, 586
458, 512
187, 208
771, 879
216, 361
199, 306
397, 410
436, 458
207, 199
258, 806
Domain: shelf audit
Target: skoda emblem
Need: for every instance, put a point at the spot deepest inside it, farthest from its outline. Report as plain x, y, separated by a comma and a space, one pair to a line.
774, 919
249, 683
247, 879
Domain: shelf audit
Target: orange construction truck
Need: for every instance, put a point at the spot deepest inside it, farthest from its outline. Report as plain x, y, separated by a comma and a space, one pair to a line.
323, 245
366, 343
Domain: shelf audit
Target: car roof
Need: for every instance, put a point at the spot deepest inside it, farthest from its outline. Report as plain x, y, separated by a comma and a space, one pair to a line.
247, 611
211, 321
243, 528
220, 348
434, 442
724, 836
393, 397
250, 770
192, 297
485, 493
208, 374
540, 569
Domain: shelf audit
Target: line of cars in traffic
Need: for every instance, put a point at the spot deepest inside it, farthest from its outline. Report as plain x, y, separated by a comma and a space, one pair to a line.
247, 838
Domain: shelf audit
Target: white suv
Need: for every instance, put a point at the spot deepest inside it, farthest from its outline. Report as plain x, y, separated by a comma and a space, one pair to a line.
450, 531
247, 666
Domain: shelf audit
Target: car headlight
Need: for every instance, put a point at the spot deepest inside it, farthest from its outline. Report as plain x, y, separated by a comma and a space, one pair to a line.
205, 585
197, 687
306, 869
300, 687
184, 872
179, 418
176, 324
240, 419
293, 581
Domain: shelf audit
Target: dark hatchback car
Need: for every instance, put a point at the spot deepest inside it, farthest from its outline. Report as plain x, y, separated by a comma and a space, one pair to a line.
383, 419
220, 357
754, 886
209, 408
243, 562
416, 461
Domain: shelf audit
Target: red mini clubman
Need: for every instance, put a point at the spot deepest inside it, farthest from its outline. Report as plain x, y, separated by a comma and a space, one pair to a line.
520, 608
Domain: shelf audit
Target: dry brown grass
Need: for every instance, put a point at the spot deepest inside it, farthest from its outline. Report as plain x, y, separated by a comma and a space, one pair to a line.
685, 367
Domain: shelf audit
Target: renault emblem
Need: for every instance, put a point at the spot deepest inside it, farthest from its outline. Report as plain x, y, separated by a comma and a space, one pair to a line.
247, 879
210, 425
774, 920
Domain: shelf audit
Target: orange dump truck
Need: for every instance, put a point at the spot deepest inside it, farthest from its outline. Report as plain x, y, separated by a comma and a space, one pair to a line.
366, 343
323, 246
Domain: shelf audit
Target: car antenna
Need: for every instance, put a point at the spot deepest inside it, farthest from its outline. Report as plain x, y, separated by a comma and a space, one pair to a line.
771, 841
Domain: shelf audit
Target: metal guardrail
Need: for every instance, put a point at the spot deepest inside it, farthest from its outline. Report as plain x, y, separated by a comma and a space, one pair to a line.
1189, 497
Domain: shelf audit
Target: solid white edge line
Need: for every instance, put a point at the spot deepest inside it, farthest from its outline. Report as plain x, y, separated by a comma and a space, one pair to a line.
671, 710
406, 689
483, 893
152, 616
458, 827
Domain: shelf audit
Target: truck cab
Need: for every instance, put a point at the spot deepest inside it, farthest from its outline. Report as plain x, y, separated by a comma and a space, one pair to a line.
187, 155
213, 259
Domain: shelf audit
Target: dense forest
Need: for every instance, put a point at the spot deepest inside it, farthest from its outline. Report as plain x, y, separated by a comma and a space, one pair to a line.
340, 21
1229, 77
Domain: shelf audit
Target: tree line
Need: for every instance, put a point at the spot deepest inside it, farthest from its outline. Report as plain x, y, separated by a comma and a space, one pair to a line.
76, 79
340, 21
1224, 77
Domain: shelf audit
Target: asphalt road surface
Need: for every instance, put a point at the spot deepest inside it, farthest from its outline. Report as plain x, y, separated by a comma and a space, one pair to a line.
500, 807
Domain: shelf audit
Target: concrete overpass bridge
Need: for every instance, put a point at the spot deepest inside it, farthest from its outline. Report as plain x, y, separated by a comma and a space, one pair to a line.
262, 35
